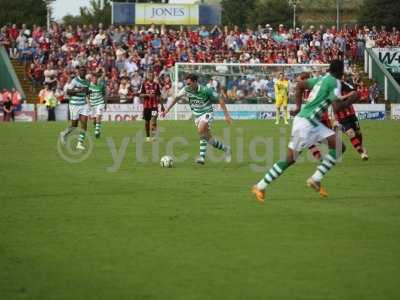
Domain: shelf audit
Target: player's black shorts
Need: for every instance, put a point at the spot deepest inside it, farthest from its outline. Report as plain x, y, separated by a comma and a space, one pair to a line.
350, 122
149, 113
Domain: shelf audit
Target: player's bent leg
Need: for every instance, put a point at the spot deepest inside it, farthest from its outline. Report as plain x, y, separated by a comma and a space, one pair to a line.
316, 153
220, 146
356, 139
364, 154
74, 116
64, 134
217, 144
301, 130
83, 120
273, 173
326, 165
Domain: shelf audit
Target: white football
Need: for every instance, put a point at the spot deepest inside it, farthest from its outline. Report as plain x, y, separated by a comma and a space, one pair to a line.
166, 161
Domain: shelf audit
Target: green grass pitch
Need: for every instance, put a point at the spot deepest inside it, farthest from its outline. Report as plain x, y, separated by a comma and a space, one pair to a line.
91, 231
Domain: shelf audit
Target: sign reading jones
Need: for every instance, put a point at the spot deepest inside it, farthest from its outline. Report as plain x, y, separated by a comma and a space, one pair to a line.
389, 57
169, 14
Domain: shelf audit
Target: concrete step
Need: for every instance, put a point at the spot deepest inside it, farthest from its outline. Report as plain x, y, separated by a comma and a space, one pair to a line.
30, 92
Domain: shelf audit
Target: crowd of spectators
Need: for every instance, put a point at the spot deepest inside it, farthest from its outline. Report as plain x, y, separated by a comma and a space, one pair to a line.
10, 103
123, 55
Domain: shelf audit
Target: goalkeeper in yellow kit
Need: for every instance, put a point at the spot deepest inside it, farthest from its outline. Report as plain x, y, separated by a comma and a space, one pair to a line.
281, 98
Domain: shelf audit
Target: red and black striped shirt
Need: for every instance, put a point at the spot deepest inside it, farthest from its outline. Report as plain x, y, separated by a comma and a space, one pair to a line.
153, 89
348, 111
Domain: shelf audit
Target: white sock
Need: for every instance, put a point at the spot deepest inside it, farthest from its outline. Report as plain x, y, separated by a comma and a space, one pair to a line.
317, 176
262, 185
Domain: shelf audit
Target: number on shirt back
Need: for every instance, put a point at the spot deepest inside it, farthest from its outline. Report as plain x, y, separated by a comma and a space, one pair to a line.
314, 92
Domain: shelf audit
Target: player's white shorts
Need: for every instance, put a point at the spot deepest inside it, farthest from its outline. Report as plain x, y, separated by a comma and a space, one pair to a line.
305, 134
76, 110
168, 102
207, 117
98, 110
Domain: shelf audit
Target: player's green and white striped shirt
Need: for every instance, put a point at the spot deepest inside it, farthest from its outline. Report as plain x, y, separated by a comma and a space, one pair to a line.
78, 99
200, 101
96, 94
324, 91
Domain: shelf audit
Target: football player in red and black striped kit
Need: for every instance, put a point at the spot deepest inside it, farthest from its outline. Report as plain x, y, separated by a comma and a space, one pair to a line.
348, 121
150, 92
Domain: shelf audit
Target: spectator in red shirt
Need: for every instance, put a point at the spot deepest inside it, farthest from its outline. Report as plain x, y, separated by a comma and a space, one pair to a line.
153, 49
363, 92
16, 102
12, 35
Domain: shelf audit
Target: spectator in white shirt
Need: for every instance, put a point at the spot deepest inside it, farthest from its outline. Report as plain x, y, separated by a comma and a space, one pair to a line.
327, 39
130, 66
123, 91
99, 38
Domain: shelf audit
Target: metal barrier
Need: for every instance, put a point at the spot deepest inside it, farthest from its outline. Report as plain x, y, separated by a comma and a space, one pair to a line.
376, 71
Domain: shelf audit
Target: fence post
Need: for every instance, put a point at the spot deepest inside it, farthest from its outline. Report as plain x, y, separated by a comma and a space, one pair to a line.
369, 67
366, 61
385, 88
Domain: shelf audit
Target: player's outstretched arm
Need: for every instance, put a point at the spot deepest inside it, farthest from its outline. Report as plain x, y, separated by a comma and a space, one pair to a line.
345, 101
166, 111
228, 118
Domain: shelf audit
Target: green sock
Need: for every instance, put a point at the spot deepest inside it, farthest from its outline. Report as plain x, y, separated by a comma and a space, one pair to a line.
97, 128
203, 148
217, 144
273, 173
81, 137
327, 163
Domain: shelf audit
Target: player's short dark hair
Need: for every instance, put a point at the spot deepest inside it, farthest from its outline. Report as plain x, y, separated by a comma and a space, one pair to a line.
192, 77
336, 68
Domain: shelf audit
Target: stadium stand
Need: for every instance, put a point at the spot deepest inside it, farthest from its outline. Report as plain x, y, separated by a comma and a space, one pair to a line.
124, 55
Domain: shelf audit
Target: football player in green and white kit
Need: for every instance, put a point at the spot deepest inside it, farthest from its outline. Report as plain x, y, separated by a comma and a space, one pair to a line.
201, 99
97, 91
78, 107
308, 130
